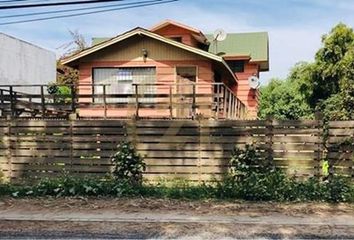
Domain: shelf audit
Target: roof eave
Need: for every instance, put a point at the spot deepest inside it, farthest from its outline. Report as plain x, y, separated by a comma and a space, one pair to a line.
238, 57
98, 46
263, 63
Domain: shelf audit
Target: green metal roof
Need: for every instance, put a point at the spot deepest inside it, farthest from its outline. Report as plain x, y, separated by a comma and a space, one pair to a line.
253, 44
96, 41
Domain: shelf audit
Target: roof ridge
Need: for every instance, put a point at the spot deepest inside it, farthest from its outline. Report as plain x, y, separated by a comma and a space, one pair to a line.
241, 32
169, 21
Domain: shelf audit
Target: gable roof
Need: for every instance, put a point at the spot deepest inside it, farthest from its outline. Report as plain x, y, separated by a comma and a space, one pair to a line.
141, 31
170, 22
255, 45
98, 40
196, 33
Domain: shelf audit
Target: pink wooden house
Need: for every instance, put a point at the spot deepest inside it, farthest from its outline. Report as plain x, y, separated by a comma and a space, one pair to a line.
170, 71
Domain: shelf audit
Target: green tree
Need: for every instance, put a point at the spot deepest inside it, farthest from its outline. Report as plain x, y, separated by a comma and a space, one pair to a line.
333, 66
283, 99
339, 106
66, 75
325, 85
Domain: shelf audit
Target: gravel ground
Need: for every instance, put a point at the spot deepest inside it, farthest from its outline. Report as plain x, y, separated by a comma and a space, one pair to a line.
168, 230
166, 205
99, 230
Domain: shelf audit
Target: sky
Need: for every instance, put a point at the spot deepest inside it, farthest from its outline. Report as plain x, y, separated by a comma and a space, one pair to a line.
295, 27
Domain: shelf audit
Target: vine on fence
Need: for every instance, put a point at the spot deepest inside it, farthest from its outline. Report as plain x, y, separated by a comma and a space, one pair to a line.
248, 160
345, 145
1, 176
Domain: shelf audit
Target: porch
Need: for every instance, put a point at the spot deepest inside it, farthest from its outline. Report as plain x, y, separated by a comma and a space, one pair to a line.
160, 101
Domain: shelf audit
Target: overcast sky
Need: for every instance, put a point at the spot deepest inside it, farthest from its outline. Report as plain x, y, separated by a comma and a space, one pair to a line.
295, 27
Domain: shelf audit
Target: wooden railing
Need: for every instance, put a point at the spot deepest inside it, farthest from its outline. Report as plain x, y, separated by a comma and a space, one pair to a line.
214, 100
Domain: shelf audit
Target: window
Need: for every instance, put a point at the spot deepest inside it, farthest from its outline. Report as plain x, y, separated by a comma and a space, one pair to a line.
237, 66
121, 80
189, 73
177, 39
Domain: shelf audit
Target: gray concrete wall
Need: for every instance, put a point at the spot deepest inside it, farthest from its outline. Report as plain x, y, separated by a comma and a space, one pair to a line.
24, 63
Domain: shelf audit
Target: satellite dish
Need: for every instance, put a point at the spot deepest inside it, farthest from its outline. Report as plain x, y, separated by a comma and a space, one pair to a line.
253, 82
220, 35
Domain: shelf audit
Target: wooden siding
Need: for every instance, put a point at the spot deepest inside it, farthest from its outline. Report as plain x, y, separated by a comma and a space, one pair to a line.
247, 95
131, 50
165, 72
175, 31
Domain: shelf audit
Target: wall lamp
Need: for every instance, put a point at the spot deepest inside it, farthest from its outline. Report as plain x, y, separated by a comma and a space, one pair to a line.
145, 53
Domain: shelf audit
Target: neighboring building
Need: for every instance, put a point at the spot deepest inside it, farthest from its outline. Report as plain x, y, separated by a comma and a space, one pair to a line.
22, 63
171, 53
247, 54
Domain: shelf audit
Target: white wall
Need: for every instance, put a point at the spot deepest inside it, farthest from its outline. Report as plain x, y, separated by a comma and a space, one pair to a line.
25, 63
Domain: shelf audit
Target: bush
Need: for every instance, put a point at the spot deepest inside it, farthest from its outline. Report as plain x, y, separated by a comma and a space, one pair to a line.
128, 164
5, 189
1, 176
339, 189
61, 94
274, 186
66, 186
248, 161
253, 178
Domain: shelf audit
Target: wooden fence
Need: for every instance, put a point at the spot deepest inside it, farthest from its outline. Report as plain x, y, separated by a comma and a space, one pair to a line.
194, 150
340, 146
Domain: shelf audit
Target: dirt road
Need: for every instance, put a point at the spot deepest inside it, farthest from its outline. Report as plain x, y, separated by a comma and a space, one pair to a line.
151, 218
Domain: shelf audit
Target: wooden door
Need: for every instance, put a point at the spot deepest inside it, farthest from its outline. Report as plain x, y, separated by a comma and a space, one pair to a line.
185, 78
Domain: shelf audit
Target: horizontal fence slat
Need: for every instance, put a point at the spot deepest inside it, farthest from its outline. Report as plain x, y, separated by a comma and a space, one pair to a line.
187, 149
341, 132
341, 124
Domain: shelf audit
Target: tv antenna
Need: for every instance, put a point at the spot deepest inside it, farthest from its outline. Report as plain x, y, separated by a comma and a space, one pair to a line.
219, 35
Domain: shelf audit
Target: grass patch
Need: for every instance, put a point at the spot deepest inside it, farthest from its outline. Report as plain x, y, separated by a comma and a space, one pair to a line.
274, 186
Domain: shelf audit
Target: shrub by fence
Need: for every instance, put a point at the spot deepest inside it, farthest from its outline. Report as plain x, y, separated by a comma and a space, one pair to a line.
194, 150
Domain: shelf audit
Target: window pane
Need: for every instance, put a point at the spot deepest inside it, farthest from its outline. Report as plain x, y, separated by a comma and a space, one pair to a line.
187, 73
121, 81
146, 77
